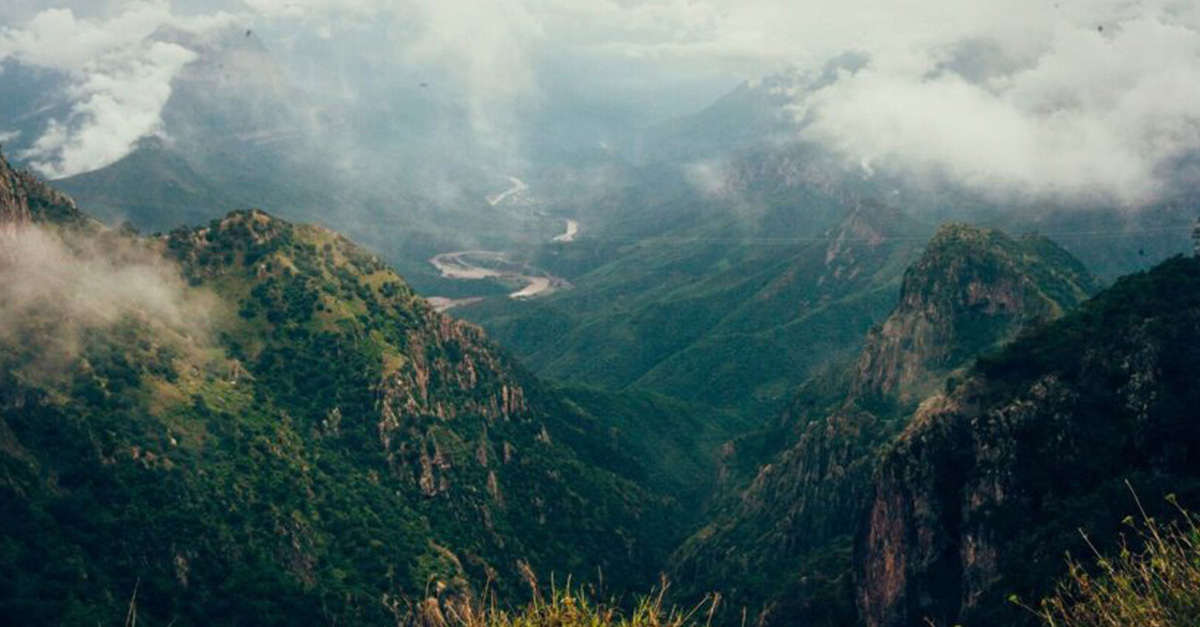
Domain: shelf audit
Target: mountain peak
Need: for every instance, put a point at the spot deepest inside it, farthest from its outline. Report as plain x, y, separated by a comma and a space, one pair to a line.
972, 289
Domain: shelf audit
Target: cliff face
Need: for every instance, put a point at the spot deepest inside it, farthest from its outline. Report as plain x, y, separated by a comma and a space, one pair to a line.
14, 207
972, 289
986, 488
790, 530
267, 406
25, 199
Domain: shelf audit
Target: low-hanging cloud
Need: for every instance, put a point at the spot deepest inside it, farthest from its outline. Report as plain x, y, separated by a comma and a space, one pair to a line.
55, 290
1101, 112
119, 79
1066, 98
115, 106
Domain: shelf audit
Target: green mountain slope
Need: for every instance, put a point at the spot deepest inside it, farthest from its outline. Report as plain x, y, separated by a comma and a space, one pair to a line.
260, 422
781, 541
730, 311
992, 482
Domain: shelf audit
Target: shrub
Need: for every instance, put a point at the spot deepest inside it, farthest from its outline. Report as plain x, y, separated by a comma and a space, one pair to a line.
568, 607
1156, 585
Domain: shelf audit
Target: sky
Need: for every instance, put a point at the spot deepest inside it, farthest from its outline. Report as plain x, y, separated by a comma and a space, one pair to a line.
1056, 98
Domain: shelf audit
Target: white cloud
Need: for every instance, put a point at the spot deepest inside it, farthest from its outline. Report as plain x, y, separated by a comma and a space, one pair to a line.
55, 39
1024, 94
55, 288
120, 79
1099, 113
485, 48
115, 106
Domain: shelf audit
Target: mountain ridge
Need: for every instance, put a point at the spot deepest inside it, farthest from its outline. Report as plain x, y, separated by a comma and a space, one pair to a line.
1034, 454
267, 406
786, 533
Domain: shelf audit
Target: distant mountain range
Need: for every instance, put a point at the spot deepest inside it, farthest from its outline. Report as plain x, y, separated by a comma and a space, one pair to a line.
834, 396
260, 421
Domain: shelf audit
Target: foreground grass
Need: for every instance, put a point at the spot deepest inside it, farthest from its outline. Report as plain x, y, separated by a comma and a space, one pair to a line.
1157, 585
568, 607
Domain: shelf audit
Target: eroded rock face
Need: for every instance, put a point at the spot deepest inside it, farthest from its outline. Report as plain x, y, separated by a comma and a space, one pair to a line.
14, 206
907, 544
972, 289
25, 199
985, 490
454, 371
969, 291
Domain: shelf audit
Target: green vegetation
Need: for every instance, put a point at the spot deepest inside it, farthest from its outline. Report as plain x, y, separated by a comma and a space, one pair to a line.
1156, 584
1036, 442
780, 540
730, 311
292, 435
316, 439
570, 607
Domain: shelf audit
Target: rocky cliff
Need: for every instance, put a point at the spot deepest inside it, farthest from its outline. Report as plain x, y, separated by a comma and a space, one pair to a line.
991, 483
14, 207
972, 289
256, 421
783, 543
24, 198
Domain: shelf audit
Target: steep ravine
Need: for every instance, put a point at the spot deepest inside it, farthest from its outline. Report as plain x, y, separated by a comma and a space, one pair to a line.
781, 545
991, 484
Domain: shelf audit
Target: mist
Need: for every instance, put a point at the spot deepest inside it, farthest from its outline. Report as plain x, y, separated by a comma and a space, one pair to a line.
56, 288
1072, 101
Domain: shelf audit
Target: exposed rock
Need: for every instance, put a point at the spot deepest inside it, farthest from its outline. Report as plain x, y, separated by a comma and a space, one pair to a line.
981, 495
972, 289
25, 199
14, 204
969, 291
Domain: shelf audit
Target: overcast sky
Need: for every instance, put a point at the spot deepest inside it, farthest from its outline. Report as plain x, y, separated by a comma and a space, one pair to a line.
1054, 97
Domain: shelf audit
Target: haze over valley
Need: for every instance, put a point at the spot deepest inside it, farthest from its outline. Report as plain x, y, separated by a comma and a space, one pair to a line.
444, 313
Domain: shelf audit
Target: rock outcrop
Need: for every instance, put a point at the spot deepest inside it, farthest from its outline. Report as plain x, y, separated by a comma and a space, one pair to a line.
988, 486
14, 205
25, 199
970, 290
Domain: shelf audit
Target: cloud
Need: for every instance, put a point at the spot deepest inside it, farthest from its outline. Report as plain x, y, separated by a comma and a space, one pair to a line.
119, 79
1095, 110
1064, 98
114, 107
54, 289
485, 50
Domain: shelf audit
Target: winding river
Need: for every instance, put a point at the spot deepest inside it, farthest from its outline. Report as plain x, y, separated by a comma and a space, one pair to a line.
474, 265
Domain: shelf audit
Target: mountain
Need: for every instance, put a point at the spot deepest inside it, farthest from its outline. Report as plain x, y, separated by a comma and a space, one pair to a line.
235, 134
754, 114
24, 199
256, 421
755, 136
1034, 454
971, 290
781, 541
699, 275
169, 192
718, 309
